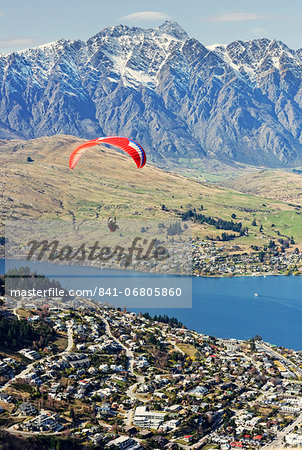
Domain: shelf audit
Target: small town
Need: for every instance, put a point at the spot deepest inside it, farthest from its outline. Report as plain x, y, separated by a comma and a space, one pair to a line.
100, 377
212, 259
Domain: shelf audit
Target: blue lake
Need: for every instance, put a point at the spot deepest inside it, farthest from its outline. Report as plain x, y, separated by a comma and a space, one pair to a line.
228, 307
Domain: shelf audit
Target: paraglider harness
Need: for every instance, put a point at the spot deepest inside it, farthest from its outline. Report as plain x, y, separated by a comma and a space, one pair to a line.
112, 225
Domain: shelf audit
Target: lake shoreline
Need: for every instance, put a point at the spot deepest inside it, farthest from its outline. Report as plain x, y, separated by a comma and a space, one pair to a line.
228, 307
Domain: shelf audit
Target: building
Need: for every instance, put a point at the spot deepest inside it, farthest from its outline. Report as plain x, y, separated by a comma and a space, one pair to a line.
294, 439
27, 409
124, 442
144, 418
199, 391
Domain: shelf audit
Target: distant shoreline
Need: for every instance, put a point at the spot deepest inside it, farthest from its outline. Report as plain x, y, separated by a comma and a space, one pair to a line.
247, 276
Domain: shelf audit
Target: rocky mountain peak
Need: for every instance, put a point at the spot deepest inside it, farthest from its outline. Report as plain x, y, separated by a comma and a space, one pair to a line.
173, 29
236, 102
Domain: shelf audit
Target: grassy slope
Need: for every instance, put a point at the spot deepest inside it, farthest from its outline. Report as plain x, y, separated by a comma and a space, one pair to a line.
107, 183
275, 184
280, 185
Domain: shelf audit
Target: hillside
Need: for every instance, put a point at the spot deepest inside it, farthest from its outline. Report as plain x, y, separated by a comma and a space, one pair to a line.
235, 103
274, 184
107, 183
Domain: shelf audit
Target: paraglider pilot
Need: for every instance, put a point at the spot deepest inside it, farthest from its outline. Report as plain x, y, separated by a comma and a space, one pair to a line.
112, 225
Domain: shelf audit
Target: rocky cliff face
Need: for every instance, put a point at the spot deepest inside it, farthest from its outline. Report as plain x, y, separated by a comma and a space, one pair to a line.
239, 102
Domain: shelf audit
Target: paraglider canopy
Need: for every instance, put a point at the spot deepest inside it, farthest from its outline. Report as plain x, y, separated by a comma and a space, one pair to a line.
129, 146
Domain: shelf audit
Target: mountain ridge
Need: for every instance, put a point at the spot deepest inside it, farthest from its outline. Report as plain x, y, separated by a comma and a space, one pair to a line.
237, 102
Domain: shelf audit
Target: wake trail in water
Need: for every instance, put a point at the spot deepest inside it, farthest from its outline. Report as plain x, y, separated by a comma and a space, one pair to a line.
284, 301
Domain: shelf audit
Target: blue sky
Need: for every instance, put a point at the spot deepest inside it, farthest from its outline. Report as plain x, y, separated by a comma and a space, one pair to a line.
29, 23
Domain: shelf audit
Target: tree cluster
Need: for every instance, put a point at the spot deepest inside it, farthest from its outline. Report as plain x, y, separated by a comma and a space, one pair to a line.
219, 224
164, 319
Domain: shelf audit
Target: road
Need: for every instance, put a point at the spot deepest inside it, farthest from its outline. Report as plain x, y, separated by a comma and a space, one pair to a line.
129, 417
16, 314
278, 355
31, 365
278, 442
131, 391
70, 338
16, 432
130, 355
15, 310
173, 343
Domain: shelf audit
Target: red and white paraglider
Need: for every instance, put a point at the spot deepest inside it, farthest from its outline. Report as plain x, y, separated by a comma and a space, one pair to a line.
129, 146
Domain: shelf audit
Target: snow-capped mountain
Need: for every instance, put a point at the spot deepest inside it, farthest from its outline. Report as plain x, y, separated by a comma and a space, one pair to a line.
241, 101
